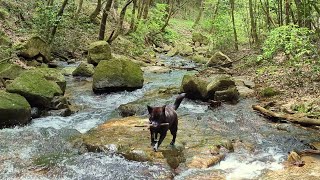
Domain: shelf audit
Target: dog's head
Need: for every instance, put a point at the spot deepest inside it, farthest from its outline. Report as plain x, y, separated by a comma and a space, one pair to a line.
156, 115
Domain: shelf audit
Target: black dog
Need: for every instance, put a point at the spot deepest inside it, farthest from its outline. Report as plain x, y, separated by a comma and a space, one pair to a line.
163, 119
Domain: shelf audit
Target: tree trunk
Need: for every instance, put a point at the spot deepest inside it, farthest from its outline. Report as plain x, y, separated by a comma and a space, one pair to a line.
60, 13
287, 12
169, 15
133, 16
280, 12
201, 9
234, 26
79, 8
146, 9
214, 15
140, 9
119, 29
95, 13
299, 12
103, 23
266, 10
253, 24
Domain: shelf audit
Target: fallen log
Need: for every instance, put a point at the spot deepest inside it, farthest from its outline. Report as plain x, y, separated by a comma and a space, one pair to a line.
310, 151
289, 117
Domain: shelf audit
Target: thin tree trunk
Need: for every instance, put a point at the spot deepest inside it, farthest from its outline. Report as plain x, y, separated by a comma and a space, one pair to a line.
299, 12
119, 29
169, 15
266, 10
287, 12
234, 26
146, 9
253, 24
103, 23
214, 15
60, 13
95, 13
140, 9
201, 9
133, 16
280, 13
79, 8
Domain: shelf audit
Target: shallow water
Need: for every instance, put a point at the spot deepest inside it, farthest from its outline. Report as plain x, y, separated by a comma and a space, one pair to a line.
22, 149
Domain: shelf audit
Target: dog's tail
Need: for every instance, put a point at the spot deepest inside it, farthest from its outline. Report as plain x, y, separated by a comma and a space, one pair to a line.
178, 100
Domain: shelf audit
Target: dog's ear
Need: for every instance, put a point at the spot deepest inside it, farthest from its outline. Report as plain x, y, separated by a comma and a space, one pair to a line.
164, 109
150, 109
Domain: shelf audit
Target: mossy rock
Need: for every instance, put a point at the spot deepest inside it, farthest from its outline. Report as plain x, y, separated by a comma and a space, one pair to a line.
10, 71
199, 59
195, 87
117, 75
174, 51
14, 109
269, 92
219, 59
35, 47
229, 95
53, 75
204, 88
185, 50
84, 69
35, 88
97, 51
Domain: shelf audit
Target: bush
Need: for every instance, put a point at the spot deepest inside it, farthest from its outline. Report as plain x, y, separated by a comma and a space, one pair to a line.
295, 42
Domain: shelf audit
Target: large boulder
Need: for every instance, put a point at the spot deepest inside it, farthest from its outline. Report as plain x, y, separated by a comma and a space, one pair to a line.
84, 69
10, 71
219, 59
201, 39
14, 109
53, 75
218, 87
117, 75
35, 88
36, 47
97, 51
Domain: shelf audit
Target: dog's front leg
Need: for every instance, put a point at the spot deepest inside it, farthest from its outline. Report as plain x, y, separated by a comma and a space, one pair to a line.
162, 136
152, 133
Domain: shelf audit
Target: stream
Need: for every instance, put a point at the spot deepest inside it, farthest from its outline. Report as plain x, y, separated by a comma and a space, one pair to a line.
46, 140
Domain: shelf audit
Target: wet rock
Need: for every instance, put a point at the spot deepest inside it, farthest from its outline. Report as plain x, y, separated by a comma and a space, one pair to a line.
84, 69
35, 88
14, 109
53, 64
71, 61
59, 102
244, 81
60, 112
67, 71
219, 59
35, 112
311, 170
185, 49
35, 47
98, 51
245, 91
117, 75
200, 38
128, 137
205, 88
10, 71
174, 51
166, 48
199, 59
205, 161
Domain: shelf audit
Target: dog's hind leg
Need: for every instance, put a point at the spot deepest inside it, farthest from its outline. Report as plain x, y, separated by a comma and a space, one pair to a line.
173, 131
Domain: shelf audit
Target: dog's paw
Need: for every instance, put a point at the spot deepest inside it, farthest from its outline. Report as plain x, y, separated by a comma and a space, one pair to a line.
155, 147
172, 143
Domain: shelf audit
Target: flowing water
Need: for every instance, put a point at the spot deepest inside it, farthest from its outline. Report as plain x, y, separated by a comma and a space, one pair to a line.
42, 149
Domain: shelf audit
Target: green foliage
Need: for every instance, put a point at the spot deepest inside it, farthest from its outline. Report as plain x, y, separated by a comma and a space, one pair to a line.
269, 92
295, 42
3, 14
